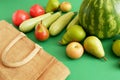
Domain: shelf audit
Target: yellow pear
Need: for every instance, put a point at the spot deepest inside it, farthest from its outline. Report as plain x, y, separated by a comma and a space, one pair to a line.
94, 46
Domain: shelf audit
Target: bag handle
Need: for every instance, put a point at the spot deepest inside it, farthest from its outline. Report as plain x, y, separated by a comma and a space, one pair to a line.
22, 62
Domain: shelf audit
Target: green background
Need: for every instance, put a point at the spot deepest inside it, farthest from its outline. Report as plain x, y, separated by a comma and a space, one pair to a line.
85, 68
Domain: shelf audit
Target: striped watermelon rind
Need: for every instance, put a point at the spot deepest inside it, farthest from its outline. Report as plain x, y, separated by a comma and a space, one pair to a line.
100, 17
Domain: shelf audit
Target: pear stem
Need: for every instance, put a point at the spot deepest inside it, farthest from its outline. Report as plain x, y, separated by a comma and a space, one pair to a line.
105, 58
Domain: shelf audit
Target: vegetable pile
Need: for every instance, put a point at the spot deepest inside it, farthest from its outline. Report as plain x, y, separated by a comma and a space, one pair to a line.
84, 30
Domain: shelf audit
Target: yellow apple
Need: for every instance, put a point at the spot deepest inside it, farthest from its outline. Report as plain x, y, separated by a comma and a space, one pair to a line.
74, 50
116, 47
65, 6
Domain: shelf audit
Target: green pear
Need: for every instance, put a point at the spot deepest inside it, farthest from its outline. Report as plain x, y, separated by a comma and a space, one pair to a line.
52, 5
94, 46
74, 33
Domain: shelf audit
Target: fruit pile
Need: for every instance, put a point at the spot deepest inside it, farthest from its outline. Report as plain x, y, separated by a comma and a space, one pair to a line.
56, 17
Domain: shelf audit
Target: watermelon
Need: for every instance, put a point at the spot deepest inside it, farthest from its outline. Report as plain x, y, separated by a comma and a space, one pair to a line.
100, 17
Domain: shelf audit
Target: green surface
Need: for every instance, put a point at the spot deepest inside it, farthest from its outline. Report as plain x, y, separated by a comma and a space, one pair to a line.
85, 68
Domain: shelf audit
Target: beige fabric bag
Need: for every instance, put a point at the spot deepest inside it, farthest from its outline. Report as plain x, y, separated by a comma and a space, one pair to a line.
16, 62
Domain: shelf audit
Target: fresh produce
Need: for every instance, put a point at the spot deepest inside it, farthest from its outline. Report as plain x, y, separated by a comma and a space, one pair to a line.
75, 21
116, 47
49, 20
60, 23
29, 24
93, 45
36, 10
52, 5
74, 33
41, 32
74, 50
65, 6
100, 18
19, 16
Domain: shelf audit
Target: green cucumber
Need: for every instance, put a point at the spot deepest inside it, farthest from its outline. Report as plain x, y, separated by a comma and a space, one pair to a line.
29, 24
49, 20
75, 21
60, 23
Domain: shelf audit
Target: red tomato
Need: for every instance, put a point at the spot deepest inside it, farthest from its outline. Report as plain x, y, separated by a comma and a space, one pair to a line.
36, 10
19, 16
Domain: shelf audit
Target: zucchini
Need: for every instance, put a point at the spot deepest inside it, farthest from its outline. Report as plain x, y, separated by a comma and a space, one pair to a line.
49, 20
29, 24
75, 21
60, 23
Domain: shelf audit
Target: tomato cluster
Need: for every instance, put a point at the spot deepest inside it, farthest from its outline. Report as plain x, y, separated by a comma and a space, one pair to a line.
21, 15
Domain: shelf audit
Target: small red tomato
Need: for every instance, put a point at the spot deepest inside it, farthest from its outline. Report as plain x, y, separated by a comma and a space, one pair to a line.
19, 16
41, 32
36, 10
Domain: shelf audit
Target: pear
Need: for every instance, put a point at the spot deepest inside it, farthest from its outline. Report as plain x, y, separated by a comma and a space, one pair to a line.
94, 46
52, 5
116, 47
41, 32
74, 33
